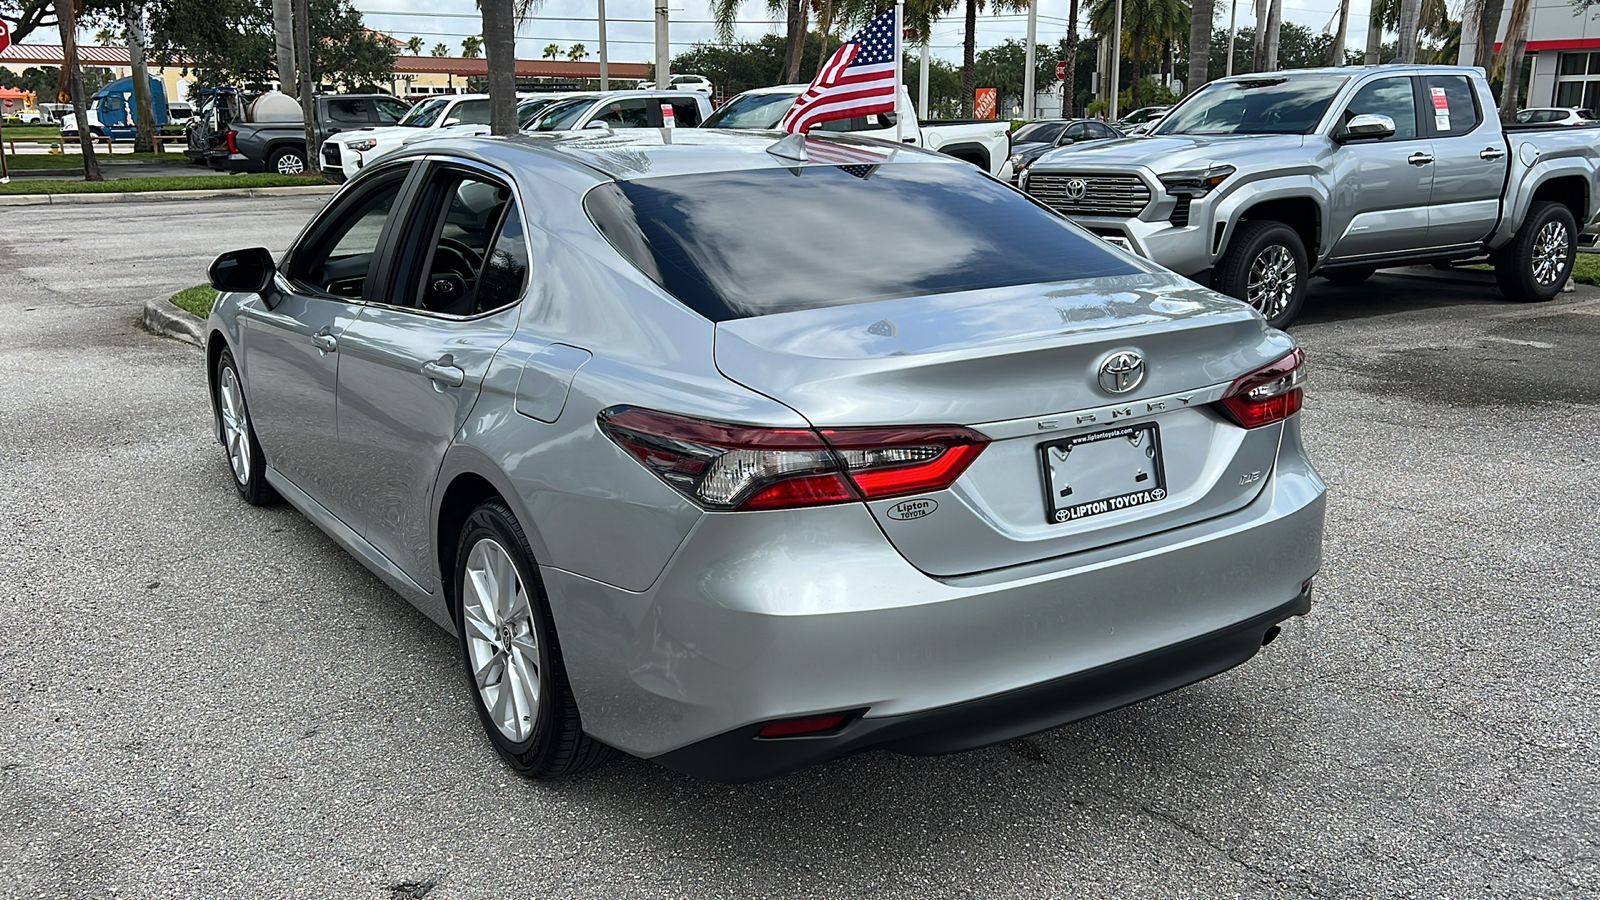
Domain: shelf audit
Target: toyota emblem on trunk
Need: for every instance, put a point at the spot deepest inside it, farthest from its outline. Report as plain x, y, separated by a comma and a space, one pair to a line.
1076, 188
1121, 372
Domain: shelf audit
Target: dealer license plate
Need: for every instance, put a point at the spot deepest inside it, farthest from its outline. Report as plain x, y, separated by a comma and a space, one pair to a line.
1107, 471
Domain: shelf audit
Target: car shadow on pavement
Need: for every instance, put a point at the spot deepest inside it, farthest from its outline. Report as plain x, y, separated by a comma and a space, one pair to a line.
1399, 291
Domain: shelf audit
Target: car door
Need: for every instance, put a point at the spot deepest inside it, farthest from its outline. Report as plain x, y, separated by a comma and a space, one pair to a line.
1469, 162
1077, 131
412, 363
1381, 188
291, 349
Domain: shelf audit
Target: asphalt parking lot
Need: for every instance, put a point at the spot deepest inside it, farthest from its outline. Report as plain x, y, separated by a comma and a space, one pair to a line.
205, 699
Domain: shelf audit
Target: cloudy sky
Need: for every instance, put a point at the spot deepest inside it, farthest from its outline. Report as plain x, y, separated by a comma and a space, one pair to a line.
631, 32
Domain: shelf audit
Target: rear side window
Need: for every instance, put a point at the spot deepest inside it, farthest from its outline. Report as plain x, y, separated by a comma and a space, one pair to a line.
344, 110
471, 112
1392, 97
1453, 108
685, 112
731, 245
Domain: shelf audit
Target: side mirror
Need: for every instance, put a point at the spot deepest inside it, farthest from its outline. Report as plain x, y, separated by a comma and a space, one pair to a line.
450, 122
1367, 127
243, 271
1066, 141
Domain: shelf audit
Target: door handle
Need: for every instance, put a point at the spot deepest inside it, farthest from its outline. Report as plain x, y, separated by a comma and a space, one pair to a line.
908, 140
1491, 153
1419, 159
443, 371
325, 341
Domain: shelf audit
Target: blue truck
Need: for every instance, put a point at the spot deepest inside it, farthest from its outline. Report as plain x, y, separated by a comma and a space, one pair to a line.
111, 111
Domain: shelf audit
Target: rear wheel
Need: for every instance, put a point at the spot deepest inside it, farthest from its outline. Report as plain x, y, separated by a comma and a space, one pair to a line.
1536, 264
288, 161
1349, 276
509, 649
1265, 266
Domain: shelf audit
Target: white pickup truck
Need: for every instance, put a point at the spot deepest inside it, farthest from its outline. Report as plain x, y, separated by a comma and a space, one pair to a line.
985, 143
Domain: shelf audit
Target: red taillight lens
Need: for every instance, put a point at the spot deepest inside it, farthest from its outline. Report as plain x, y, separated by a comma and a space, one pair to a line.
725, 466
1270, 394
229, 137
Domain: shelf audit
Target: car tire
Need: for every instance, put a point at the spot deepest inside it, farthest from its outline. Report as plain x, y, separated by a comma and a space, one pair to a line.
245, 459
1536, 264
510, 654
1349, 276
287, 161
1271, 256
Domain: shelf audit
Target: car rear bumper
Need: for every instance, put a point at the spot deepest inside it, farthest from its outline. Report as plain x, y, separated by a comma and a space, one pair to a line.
768, 616
741, 755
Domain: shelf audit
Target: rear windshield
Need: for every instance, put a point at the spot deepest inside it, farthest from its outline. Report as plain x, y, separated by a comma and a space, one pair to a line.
731, 245
751, 111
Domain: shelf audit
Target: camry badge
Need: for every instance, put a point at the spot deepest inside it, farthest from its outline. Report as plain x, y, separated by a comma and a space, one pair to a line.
1121, 372
1076, 188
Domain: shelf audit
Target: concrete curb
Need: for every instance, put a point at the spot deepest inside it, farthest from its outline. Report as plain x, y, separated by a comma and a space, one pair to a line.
311, 190
166, 319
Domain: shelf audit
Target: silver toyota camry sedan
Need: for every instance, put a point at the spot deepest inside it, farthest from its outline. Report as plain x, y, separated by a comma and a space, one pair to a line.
741, 454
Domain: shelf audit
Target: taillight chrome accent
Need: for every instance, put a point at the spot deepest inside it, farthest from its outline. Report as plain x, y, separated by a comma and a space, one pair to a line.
726, 466
1270, 394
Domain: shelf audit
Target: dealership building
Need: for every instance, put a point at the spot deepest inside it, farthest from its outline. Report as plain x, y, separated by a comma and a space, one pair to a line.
1564, 45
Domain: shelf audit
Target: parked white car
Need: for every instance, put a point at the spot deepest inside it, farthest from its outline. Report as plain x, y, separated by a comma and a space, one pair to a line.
1555, 115
982, 142
681, 83
624, 109
346, 153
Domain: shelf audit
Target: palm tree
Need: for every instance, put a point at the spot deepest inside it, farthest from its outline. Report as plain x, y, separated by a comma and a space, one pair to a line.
1200, 21
500, 18
103, 36
1509, 59
552, 51
1069, 52
577, 52
440, 49
1146, 26
414, 45
724, 13
471, 47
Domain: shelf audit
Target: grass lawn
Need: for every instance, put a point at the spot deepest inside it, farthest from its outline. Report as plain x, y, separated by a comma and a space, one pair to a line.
159, 183
197, 299
56, 161
31, 132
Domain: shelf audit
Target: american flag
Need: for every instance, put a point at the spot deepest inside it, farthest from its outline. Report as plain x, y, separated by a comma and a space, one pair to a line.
857, 80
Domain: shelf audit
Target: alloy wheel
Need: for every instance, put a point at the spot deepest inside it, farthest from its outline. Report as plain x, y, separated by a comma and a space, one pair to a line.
1550, 249
235, 424
502, 646
289, 164
1272, 280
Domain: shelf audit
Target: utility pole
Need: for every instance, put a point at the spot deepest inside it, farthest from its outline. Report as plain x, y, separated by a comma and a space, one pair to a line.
283, 38
1410, 12
1233, 32
605, 66
1027, 72
1116, 61
922, 87
663, 48
308, 106
1344, 33
1471, 24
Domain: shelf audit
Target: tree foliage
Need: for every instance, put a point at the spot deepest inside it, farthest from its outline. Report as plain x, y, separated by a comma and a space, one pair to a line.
42, 80
231, 42
1149, 27
471, 47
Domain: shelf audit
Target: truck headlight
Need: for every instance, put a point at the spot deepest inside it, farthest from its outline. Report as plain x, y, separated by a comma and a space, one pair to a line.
1195, 182
362, 146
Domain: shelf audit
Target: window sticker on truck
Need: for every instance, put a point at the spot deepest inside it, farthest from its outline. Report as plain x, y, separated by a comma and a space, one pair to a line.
1441, 110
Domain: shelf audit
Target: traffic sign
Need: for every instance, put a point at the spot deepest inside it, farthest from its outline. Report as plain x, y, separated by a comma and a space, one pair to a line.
1061, 70
5, 35
10, 103
63, 97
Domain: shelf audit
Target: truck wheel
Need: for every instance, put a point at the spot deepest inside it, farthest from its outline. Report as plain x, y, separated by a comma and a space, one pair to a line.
288, 161
1349, 276
1265, 266
1536, 264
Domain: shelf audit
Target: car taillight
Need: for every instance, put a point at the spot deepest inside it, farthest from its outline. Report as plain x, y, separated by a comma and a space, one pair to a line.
724, 466
1270, 394
229, 137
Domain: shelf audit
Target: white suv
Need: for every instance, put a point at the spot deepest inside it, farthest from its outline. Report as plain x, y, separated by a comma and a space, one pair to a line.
682, 83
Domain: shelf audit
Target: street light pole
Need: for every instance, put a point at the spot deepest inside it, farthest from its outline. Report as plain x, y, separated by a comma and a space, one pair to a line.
663, 57
1116, 61
1233, 31
605, 68
1027, 73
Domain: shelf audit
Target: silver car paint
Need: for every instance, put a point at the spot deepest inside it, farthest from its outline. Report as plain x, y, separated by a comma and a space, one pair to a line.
677, 624
1333, 176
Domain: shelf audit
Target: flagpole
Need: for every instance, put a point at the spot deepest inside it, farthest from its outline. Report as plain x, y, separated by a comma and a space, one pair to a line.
899, 62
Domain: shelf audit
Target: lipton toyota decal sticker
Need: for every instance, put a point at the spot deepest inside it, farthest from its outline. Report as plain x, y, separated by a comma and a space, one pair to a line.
913, 509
